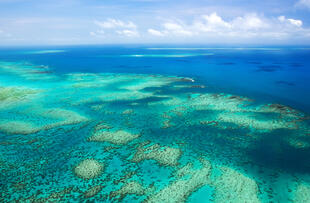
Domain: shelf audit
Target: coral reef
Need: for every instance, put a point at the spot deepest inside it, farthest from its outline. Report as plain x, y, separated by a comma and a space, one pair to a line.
218, 102
179, 190
18, 127
129, 188
15, 93
53, 197
119, 137
94, 190
164, 155
102, 125
27, 71
302, 193
64, 116
249, 121
232, 186
88, 169
124, 95
298, 141
58, 117
128, 111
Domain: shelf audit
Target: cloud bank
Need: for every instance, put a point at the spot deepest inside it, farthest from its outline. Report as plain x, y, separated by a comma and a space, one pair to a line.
122, 28
152, 21
247, 26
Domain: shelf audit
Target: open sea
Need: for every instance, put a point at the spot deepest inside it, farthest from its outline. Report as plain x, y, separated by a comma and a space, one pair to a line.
154, 124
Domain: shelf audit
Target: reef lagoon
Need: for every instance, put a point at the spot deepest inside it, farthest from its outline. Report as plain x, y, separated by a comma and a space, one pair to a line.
154, 124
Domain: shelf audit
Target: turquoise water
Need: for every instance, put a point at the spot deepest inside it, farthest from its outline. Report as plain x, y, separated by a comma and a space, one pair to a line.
149, 124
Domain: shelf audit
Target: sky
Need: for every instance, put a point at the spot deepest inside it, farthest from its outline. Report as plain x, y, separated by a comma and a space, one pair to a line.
222, 22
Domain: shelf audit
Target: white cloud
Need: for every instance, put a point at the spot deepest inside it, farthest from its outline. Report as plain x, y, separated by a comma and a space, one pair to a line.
303, 4
298, 23
114, 23
176, 29
213, 26
290, 21
112, 26
213, 21
155, 32
281, 18
249, 22
172, 26
128, 33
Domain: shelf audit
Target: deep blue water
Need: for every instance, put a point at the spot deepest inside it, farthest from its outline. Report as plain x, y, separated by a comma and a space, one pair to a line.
268, 74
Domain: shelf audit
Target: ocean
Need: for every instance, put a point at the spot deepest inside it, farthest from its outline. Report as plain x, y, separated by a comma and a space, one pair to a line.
146, 123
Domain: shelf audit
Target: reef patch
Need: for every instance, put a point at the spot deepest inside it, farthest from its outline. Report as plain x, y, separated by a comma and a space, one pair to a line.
88, 169
164, 155
179, 190
119, 137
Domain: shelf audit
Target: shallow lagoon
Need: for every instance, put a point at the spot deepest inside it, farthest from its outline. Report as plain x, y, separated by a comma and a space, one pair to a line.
140, 136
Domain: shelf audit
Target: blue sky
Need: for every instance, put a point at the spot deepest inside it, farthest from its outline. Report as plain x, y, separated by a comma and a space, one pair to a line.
56, 22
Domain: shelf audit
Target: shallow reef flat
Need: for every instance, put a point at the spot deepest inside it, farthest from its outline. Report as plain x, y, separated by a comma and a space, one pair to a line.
27, 70
39, 119
114, 137
88, 169
11, 95
163, 155
118, 137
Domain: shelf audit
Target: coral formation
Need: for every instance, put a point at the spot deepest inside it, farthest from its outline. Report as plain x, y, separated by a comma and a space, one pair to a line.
15, 93
57, 116
58, 196
27, 71
302, 193
94, 190
164, 155
123, 95
232, 186
119, 137
182, 121
103, 125
17, 127
298, 142
236, 110
127, 111
65, 117
249, 121
129, 188
88, 169
179, 190
218, 102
